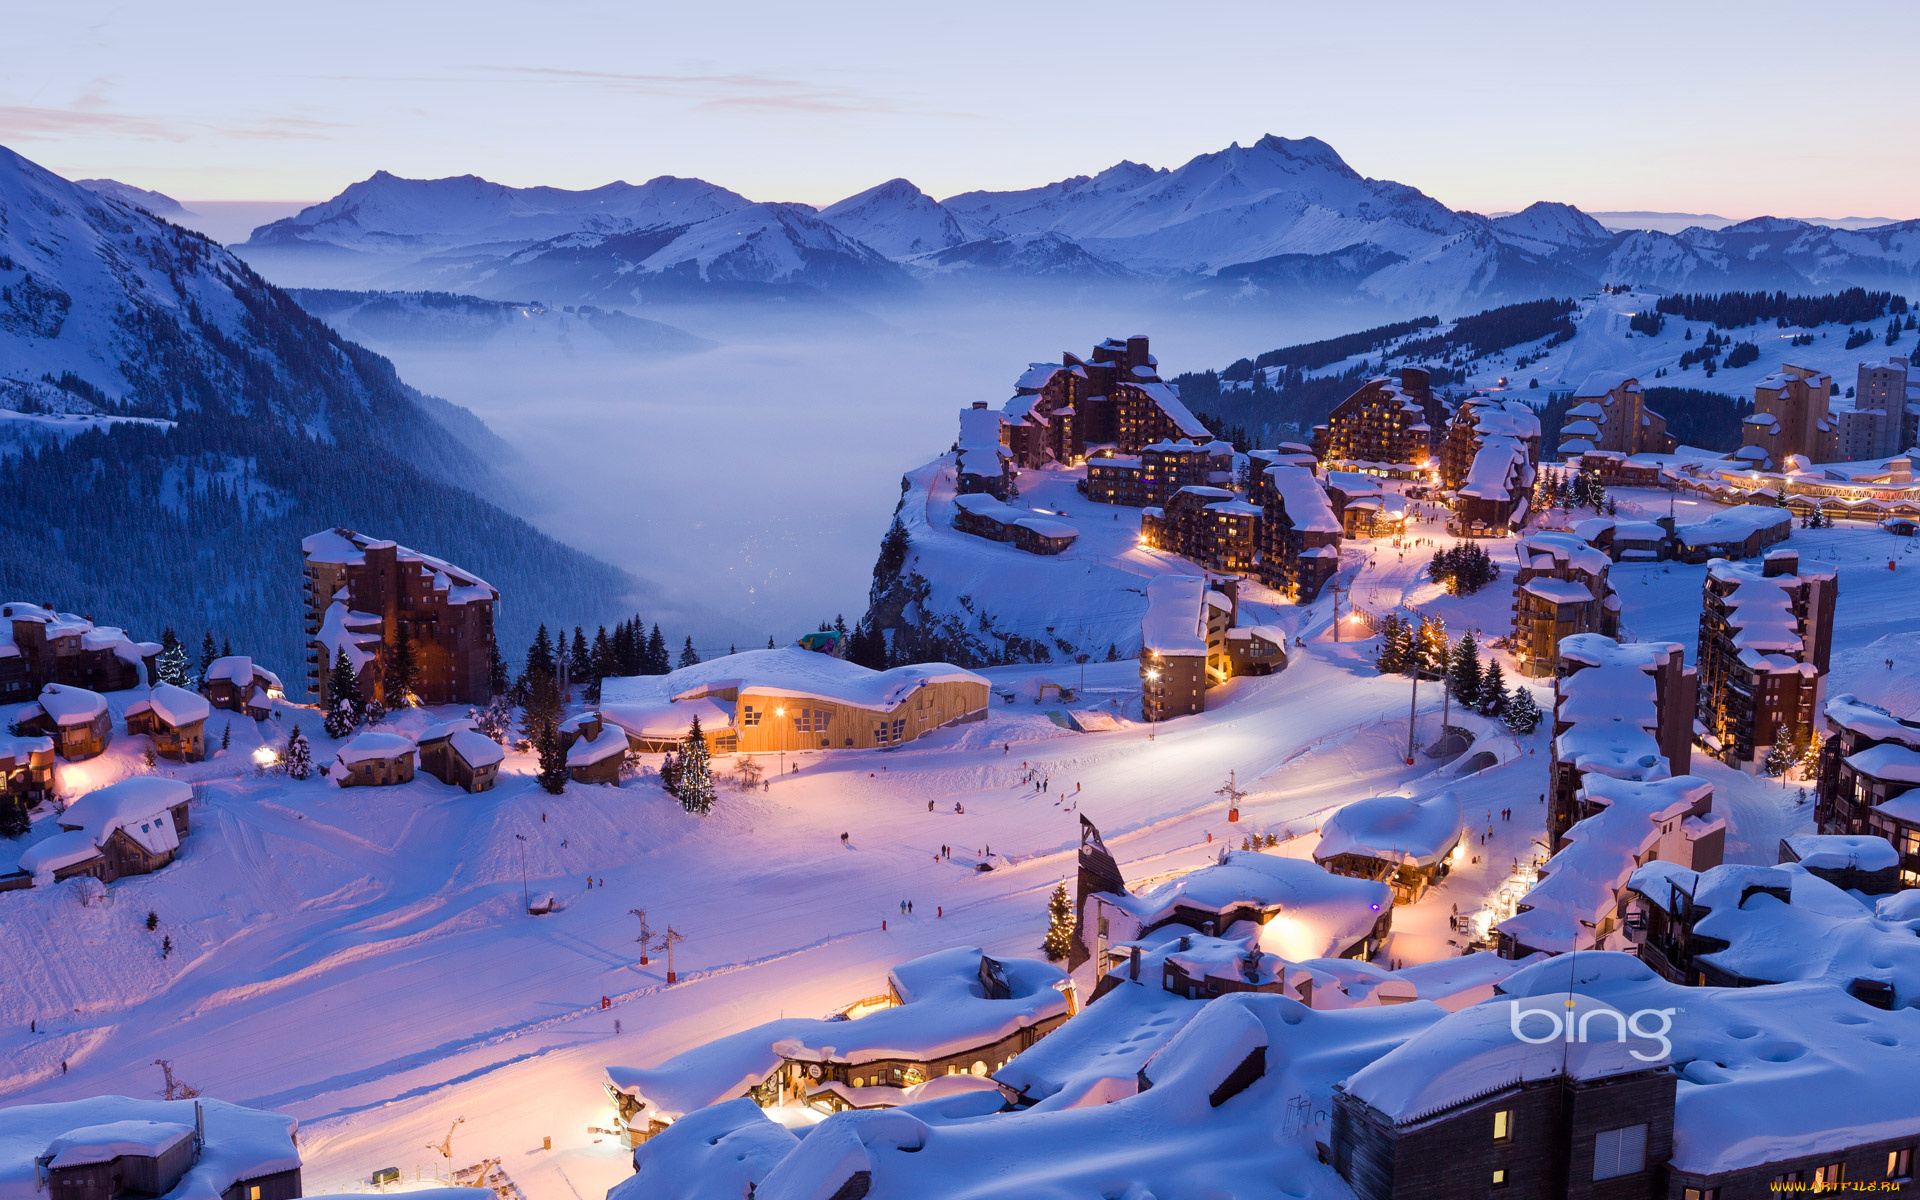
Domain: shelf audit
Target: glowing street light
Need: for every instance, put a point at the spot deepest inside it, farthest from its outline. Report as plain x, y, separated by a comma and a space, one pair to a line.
1153, 676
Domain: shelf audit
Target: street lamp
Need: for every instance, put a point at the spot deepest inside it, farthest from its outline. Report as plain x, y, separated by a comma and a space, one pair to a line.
1153, 676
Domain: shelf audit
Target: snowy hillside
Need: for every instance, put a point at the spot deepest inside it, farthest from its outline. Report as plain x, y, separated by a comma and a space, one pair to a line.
157, 203
258, 425
437, 318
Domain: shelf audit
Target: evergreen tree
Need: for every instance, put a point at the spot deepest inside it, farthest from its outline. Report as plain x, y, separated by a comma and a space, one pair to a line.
226, 734
495, 721
540, 659
172, 666
1780, 756
579, 659
14, 820
688, 655
770, 644
226, 648
1463, 677
540, 725
625, 662
1493, 690
1430, 649
1059, 940
1523, 715
670, 773
1810, 758
696, 773
600, 664
401, 676
1390, 656
345, 705
207, 653
657, 661
298, 756
497, 677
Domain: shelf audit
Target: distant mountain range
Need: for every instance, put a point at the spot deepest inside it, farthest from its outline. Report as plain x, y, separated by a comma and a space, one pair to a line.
175, 424
1280, 221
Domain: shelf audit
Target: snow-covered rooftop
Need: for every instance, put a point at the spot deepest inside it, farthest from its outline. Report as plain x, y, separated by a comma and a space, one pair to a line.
139, 806
347, 548
1176, 618
177, 706
1401, 829
68, 705
1304, 498
1311, 913
372, 744
241, 1143
790, 671
612, 743
1734, 524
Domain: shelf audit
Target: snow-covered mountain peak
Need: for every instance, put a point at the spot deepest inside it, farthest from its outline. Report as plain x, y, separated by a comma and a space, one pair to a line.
1554, 224
157, 203
898, 219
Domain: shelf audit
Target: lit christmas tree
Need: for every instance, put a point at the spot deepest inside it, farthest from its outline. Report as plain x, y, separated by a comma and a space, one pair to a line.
696, 773
1059, 939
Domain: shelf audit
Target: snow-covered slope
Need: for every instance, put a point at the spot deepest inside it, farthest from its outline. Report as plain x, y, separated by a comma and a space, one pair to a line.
157, 203
1552, 225
899, 220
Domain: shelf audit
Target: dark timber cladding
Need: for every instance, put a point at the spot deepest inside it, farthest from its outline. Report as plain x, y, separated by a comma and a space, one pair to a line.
1535, 1141
364, 594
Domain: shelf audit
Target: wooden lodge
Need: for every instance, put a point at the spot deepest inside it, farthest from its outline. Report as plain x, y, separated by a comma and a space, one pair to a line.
374, 759
133, 827
237, 684
26, 768
76, 719
39, 645
455, 753
175, 719
596, 751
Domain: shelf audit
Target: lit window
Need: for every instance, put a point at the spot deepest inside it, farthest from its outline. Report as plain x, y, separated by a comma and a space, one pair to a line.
1500, 1178
1831, 1175
1503, 1125
1900, 1163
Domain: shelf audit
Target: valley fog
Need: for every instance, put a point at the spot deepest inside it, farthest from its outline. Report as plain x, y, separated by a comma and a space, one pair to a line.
747, 485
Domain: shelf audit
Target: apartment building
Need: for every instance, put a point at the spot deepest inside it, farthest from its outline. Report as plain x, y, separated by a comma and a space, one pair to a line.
1792, 414
1766, 634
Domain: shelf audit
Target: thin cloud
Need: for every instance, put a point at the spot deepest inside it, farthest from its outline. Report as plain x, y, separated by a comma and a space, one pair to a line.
27, 123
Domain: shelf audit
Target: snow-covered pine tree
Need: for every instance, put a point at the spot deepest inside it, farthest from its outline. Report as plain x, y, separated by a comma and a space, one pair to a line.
207, 653
345, 706
1463, 675
298, 756
1059, 940
600, 664
172, 666
1391, 654
1430, 649
688, 655
226, 735
1523, 715
1493, 690
696, 771
657, 661
670, 773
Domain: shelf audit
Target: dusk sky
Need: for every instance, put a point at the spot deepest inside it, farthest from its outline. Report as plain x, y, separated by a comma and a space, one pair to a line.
1734, 109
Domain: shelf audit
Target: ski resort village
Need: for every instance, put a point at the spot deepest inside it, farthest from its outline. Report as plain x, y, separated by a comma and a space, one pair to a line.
1482, 792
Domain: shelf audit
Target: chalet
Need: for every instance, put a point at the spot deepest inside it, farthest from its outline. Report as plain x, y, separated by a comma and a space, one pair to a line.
75, 718
454, 752
373, 758
39, 645
1851, 862
1407, 843
1291, 907
364, 594
1365, 508
237, 684
26, 768
1560, 589
1766, 635
984, 516
1580, 901
1629, 541
946, 1022
793, 699
175, 719
1742, 926
110, 1147
597, 757
1743, 531
133, 827
1869, 769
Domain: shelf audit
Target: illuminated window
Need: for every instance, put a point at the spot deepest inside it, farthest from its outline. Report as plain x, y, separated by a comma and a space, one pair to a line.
1900, 1163
1503, 1125
1500, 1178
